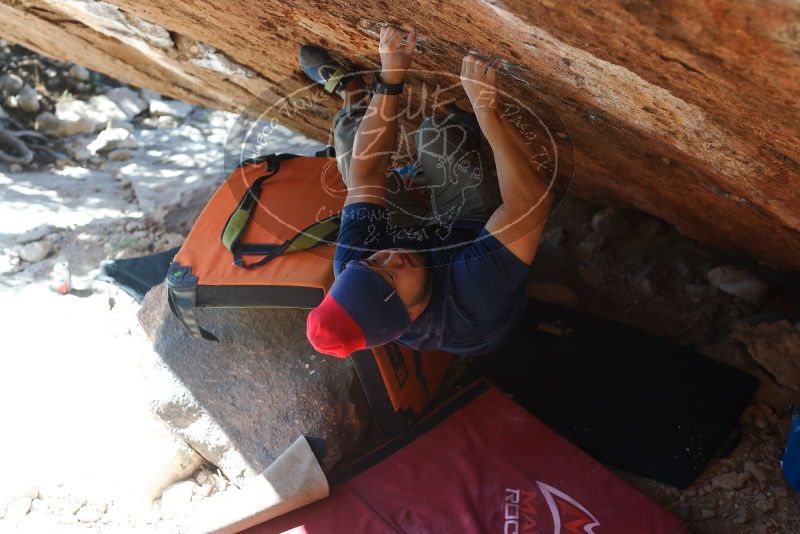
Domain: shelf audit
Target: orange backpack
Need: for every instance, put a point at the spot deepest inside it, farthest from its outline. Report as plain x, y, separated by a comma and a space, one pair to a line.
266, 239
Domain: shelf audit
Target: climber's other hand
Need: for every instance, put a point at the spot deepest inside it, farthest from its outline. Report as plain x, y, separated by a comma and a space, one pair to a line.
479, 79
397, 48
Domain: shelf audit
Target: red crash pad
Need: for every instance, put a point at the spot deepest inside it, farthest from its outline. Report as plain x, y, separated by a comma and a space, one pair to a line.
481, 463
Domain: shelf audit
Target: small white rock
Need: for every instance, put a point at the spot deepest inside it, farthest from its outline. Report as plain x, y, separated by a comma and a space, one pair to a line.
39, 506
76, 117
79, 72
104, 109
18, 508
174, 108
36, 251
111, 138
178, 495
91, 512
204, 490
66, 506
15, 167
53, 491
32, 492
738, 283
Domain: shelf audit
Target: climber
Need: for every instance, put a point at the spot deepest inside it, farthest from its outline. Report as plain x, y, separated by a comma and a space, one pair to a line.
456, 282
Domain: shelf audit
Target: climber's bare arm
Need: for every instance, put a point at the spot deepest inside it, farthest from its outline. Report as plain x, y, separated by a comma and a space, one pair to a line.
376, 138
519, 220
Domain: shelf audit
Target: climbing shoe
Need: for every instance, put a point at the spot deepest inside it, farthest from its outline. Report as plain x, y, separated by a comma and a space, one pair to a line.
318, 65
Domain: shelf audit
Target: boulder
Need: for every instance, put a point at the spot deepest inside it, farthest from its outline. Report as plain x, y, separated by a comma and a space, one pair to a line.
776, 347
738, 283
653, 95
77, 149
36, 233
79, 73
117, 106
76, 117
127, 100
105, 109
46, 122
241, 402
28, 100
36, 250
10, 83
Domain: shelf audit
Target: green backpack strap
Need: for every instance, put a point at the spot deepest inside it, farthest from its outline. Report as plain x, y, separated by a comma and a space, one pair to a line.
324, 231
240, 218
319, 233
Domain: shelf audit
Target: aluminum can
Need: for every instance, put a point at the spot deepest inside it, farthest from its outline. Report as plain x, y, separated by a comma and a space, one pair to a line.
62, 278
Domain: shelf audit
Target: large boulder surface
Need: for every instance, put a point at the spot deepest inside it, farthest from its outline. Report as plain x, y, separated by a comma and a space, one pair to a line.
242, 401
686, 109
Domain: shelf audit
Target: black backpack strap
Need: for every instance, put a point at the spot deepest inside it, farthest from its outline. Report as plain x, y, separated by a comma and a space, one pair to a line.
182, 297
327, 152
389, 422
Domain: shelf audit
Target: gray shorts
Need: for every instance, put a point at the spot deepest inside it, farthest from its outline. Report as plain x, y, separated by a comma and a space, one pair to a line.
449, 181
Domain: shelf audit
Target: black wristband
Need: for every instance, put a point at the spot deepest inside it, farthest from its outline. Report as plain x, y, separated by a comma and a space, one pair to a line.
386, 88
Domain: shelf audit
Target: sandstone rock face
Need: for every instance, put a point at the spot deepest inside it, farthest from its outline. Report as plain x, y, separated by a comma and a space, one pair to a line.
241, 402
776, 347
687, 109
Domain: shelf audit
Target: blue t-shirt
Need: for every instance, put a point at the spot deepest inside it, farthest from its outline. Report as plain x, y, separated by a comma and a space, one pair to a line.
478, 285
